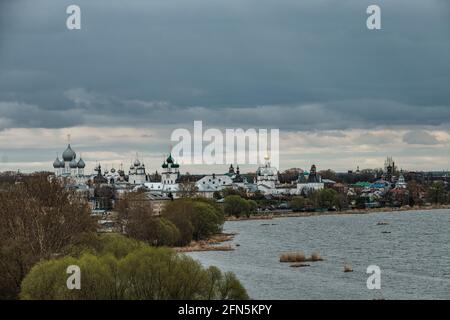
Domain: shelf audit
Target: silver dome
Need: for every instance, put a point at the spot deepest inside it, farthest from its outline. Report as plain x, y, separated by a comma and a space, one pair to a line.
81, 164
73, 164
58, 164
69, 154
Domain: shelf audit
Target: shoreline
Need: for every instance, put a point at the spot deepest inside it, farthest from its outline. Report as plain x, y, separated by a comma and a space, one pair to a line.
291, 214
210, 244
214, 242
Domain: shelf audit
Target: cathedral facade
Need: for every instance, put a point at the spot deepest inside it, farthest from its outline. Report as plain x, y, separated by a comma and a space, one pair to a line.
69, 166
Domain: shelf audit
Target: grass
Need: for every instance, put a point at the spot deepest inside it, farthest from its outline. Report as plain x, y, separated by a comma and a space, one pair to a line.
315, 256
348, 268
299, 256
292, 257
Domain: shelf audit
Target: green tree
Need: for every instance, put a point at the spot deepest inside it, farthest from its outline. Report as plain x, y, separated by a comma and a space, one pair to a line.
298, 203
140, 221
236, 206
195, 218
258, 195
142, 273
436, 193
234, 192
360, 202
253, 206
206, 220
168, 234
340, 201
325, 198
328, 174
217, 195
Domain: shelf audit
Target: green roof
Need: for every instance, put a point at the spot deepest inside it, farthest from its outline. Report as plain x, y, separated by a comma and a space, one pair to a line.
363, 184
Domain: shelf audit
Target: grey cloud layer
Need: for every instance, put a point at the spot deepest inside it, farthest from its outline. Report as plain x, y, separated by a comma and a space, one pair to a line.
89, 108
419, 137
297, 65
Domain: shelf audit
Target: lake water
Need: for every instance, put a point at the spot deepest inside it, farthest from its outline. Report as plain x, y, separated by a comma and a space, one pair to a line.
414, 257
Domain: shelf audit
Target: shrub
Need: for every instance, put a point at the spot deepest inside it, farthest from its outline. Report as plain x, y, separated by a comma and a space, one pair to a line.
144, 272
298, 203
315, 256
292, 257
299, 256
236, 206
194, 218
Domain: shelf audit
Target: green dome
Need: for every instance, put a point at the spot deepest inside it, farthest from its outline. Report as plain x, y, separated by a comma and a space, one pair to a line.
169, 159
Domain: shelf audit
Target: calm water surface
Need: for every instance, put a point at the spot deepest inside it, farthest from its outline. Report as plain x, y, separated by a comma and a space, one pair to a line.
414, 257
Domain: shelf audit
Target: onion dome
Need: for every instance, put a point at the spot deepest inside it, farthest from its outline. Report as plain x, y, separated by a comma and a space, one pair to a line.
57, 163
69, 154
113, 170
164, 165
73, 164
99, 178
175, 165
170, 159
81, 164
137, 163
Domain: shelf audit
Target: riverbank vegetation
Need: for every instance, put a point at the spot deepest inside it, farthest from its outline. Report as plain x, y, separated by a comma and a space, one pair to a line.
299, 256
235, 205
38, 219
46, 227
118, 268
181, 221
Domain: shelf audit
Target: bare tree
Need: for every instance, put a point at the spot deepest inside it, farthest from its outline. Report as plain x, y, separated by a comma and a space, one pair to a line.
188, 189
39, 217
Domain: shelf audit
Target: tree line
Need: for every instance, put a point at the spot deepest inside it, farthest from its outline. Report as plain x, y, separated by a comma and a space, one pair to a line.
118, 268
180, 222
45, 227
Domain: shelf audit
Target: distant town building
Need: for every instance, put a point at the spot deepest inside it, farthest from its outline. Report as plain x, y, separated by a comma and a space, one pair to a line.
309, 181
267, 177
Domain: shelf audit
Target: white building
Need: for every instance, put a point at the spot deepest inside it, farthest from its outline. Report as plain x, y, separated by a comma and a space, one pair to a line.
169, 178
212, 183
137, 174
267, 177
309, 182
401, 183
114, 176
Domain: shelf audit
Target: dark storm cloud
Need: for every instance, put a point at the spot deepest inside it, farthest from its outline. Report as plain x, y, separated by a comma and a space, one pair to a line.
295, 65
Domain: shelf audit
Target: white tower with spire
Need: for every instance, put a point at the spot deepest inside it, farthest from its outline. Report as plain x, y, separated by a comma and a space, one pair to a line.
266, 176
170, 172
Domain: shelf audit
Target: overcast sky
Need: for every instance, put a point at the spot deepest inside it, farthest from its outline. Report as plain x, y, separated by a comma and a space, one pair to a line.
340, 94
